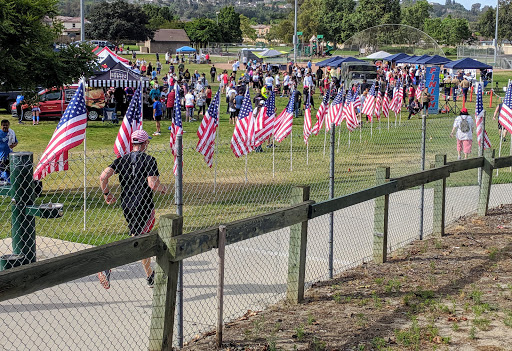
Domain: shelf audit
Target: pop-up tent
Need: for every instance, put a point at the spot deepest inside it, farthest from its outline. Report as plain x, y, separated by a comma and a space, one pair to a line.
118, 76
338, 62
268, 53
467, 63
435, 60
418, 60
395, 57
185, 50
378, 55
104, 52
406, 59
325, 63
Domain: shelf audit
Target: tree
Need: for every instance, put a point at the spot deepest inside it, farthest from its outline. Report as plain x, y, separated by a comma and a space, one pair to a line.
487, 22
504, 20
247, 30
309, 17
282, 31
337, 22
27, 34
416, 14
124, 21
475, 8
229, 25
371, 13
202, 31
449, 31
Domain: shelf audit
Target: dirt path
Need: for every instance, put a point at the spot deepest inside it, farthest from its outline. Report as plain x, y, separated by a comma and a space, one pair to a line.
453, 293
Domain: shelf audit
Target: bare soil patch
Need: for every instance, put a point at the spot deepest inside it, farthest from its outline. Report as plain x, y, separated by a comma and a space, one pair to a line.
450, 293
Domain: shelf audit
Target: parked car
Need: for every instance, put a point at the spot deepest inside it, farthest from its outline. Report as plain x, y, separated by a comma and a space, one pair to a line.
53, 102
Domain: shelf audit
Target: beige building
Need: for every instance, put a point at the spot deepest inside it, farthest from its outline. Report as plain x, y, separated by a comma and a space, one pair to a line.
166, 40
261, 32
72, 27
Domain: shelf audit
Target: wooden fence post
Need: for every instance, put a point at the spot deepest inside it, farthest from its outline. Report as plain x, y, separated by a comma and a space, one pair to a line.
439, 200
297, 251
380, 223
485, 187
164, 290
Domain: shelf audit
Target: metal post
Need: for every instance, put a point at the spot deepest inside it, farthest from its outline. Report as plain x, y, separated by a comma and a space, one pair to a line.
82, 20
220, 287
179, 211
481, 147
331, 196
23, 229
422, 188
496, 35
295, 35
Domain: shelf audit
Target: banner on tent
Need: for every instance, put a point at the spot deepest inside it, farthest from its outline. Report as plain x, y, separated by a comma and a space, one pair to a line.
433, 88
118, 74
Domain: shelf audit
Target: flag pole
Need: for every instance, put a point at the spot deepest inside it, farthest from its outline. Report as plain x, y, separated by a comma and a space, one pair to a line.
85, 165
273, 156
307, 153
499, 152
388, 121
349, 133
291, 150
395, 119
245, 168
325, 136
361, 129
371, 128
339, 139
215, 170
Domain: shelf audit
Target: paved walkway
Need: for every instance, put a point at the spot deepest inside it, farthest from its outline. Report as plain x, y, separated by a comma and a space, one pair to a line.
81, 315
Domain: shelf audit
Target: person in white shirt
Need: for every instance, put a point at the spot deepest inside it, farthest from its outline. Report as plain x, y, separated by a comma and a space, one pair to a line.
269, 81
286, 84
308, 81
189, 105
278, 83
464, 126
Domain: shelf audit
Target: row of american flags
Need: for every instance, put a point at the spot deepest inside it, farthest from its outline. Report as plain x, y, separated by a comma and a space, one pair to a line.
251, 131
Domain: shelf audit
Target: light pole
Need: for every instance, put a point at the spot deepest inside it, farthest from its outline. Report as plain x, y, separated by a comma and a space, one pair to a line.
295, 35
496, 33
82, 20
217, 16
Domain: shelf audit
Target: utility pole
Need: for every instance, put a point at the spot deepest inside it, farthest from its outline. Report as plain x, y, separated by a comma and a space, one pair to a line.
295, 35
82, 20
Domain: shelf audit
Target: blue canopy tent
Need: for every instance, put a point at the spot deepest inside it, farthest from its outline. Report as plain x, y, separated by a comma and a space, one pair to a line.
419, 60
406, 59
185, 50
467, 63
338, 62
326, 62
395, 57
435, 60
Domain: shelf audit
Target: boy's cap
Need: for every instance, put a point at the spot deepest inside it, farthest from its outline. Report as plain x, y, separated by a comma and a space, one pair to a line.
140, 136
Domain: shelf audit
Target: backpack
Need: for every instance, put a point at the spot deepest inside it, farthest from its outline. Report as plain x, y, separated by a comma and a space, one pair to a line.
464, 125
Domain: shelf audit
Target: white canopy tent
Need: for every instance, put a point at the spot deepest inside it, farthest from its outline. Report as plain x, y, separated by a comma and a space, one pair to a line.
378, 55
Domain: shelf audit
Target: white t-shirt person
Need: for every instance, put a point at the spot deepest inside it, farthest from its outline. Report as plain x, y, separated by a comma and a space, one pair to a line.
269, 81
460, 135
189, 100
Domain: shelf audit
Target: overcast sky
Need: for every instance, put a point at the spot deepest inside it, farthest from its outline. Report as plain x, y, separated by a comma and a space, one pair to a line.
467, 3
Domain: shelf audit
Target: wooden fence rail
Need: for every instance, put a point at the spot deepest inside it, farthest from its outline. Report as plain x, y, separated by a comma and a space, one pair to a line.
170, 246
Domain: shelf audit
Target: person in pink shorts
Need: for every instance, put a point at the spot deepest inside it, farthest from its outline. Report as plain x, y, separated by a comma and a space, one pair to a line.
463, 124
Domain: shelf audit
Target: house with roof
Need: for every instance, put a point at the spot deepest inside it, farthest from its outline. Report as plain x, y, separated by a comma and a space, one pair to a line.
166, 40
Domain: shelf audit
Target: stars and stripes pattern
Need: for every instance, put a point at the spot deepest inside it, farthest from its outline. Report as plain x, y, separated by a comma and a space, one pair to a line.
369, 103
208, 131
286, 120
132, 121
356, 98
419, 89
70, 132
264, 126
334, 111
505, 117
385, 103
176, 127
378, 103
320, 114
350, 114
398, 97
241, 141
479, 118
307, 119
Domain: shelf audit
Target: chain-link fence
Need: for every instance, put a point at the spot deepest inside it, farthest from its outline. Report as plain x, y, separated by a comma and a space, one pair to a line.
82, 315
486, 54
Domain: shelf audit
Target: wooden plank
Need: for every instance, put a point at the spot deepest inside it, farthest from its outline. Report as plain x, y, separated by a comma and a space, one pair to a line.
164, 290
423, 177
464, 165
485, 187
380, 223
192, 244
439, 200
325, 207
297, 251
27, 279
503, 162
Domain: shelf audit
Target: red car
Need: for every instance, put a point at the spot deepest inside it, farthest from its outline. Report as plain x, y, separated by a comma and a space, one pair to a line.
53, 102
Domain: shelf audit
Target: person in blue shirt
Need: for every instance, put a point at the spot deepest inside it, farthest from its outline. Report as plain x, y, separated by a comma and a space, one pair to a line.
155, 93
20, 99
238, 101
8, 141
157, 115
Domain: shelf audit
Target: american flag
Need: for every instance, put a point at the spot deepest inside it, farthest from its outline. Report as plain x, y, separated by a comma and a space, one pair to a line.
346, 105
419, 88
307, 119
356, 98
350, 112
479, 118
320, 114
70, 132
378, 102
264, 126
334, 111
286, 120
394, 100
241, 142
397, 105
208, 130
176, 127
385, 103
132, 121
369, 103
505, 117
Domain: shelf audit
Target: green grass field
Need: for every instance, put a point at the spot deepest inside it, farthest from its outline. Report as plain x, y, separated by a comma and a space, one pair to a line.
212, 197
